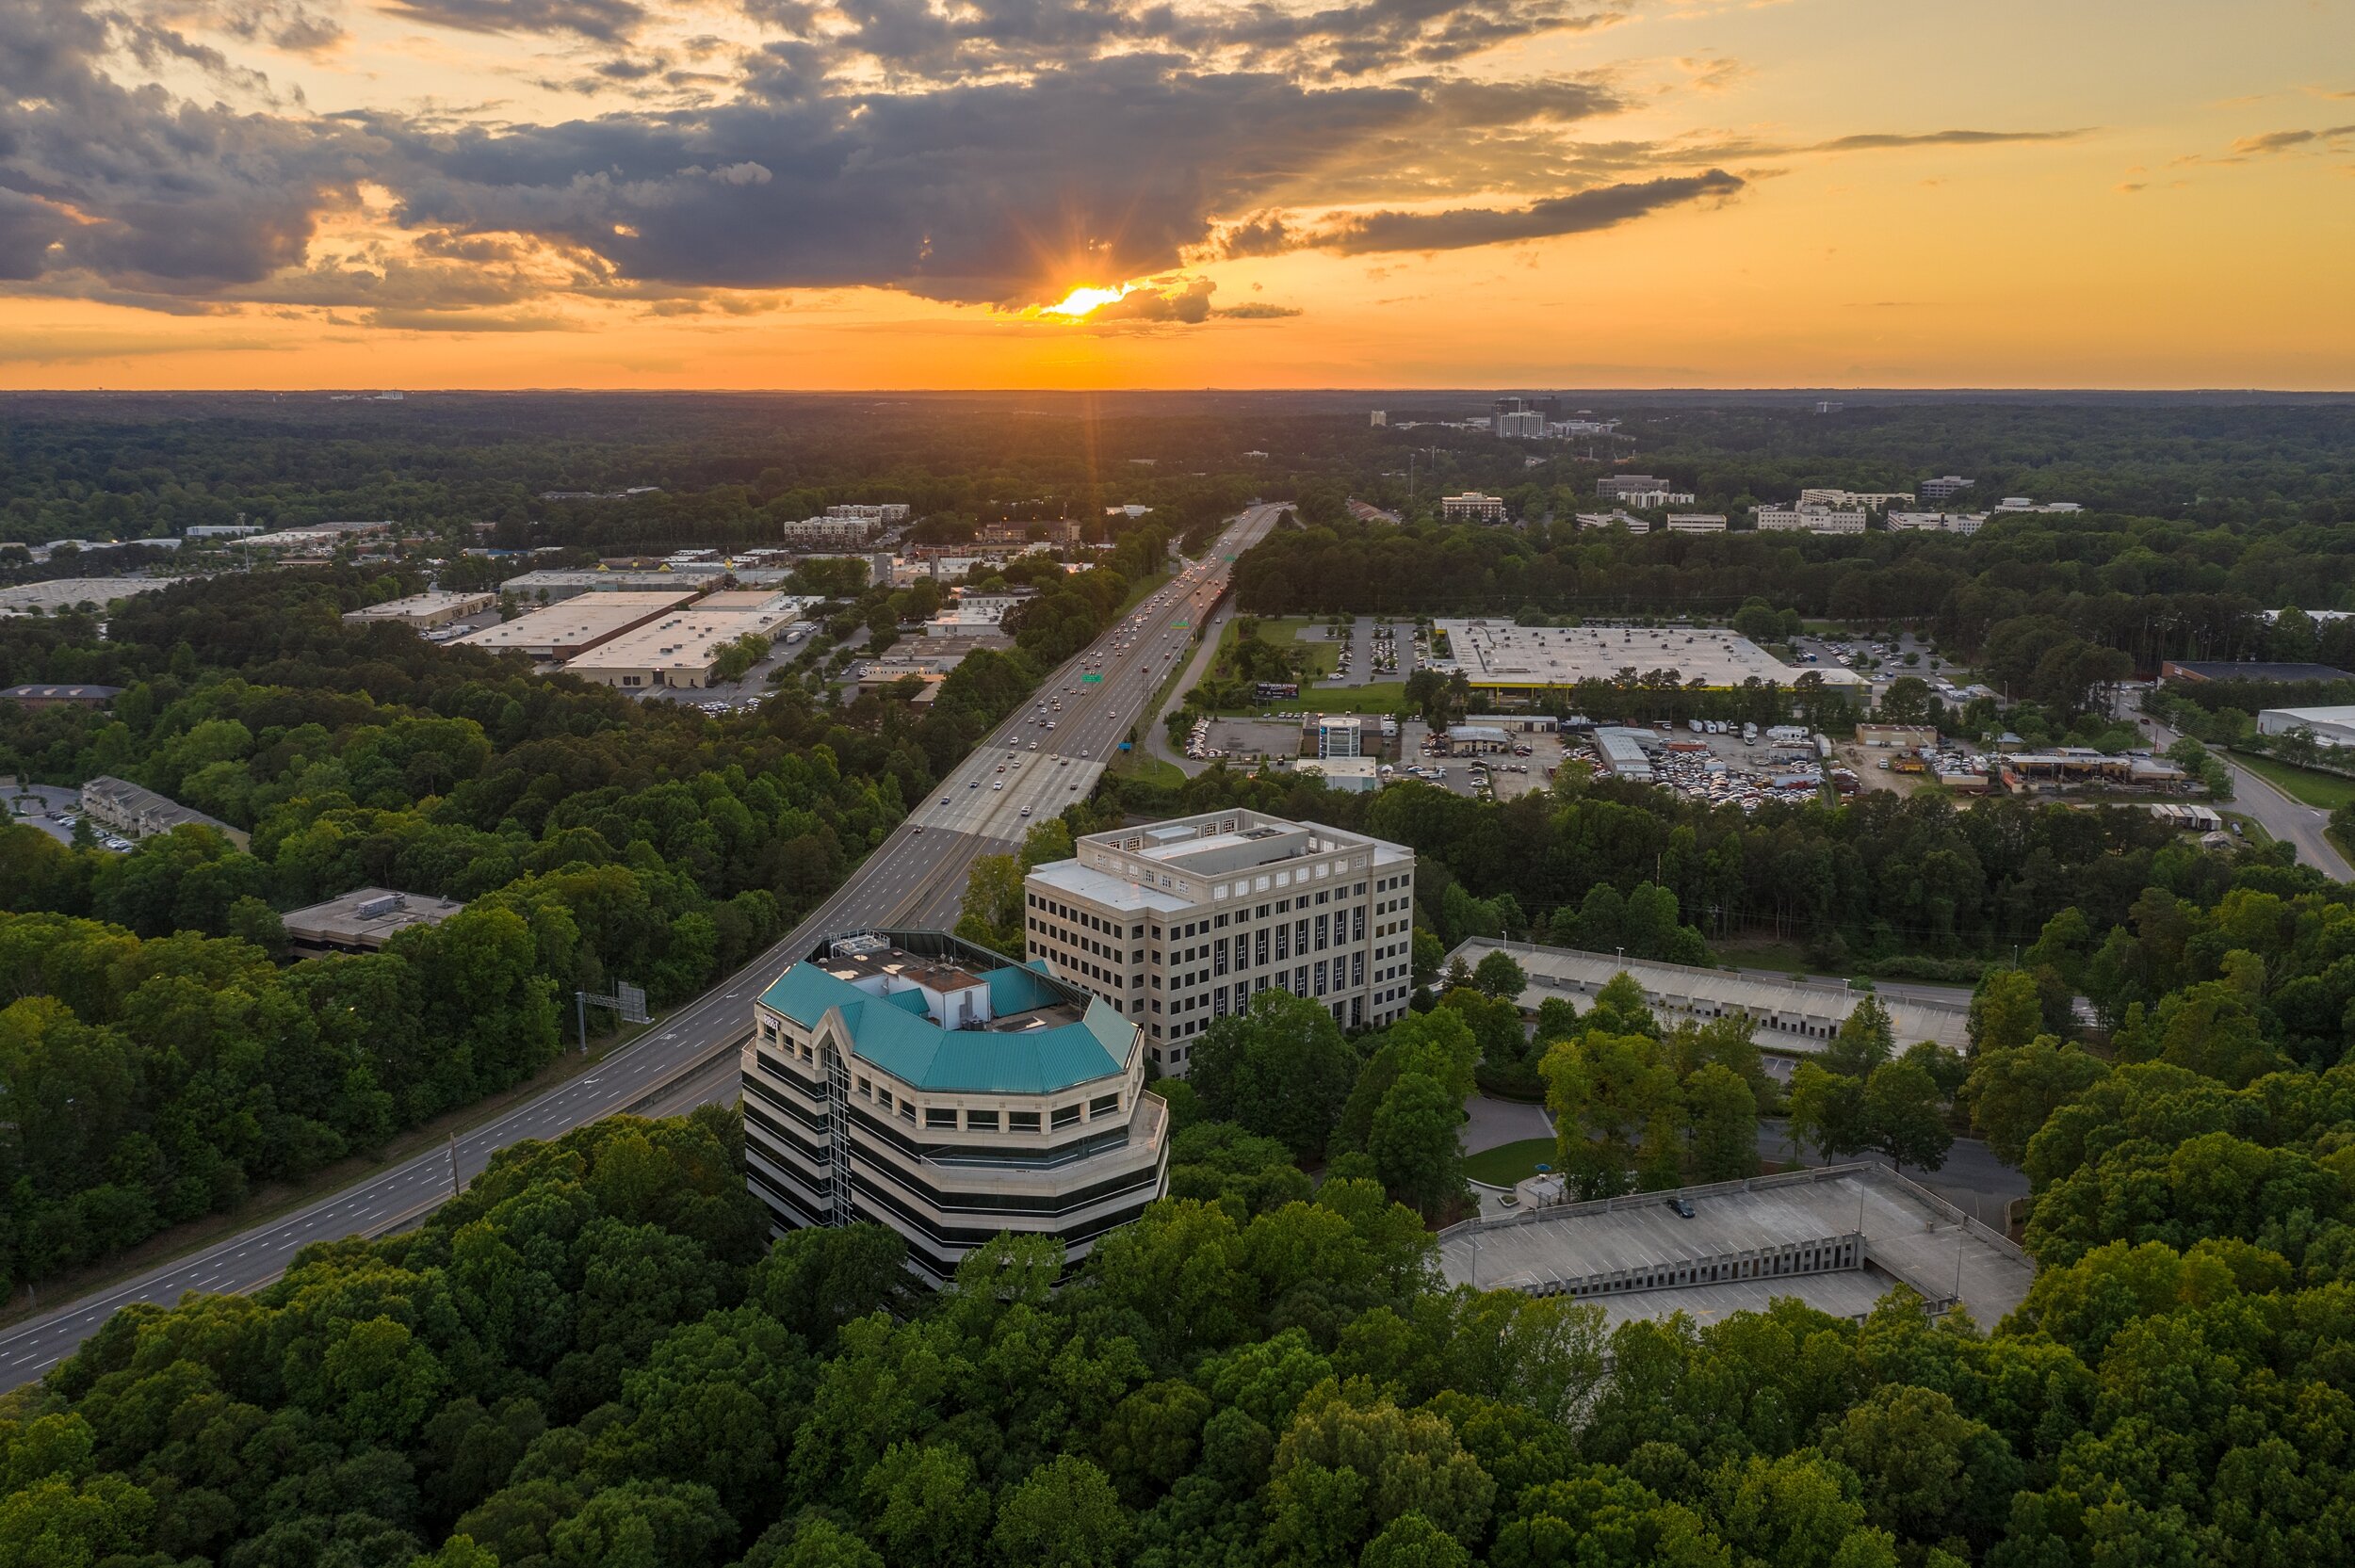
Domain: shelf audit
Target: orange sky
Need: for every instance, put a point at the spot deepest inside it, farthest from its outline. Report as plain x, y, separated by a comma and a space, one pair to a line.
1814, 192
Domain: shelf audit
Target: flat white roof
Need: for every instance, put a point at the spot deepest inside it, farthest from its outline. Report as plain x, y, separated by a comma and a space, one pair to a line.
1101, 887
2343, 714
574, 622
687, 639
1497, 654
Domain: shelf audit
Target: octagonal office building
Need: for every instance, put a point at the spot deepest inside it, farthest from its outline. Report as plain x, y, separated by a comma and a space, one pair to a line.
918, 1081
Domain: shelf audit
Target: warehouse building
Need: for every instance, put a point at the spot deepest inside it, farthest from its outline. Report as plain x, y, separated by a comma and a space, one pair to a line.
2333, 726
913, 1080
424, 612
1500, 658
570, 629
1178, 923
681, 651
2249, 669
361, 921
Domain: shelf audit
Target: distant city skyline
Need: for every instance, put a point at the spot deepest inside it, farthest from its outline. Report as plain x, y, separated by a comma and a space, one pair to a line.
746, 194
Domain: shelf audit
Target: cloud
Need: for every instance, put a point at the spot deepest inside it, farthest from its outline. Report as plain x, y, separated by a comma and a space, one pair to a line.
1874, 141
1582, 212
606, 20
2283, 141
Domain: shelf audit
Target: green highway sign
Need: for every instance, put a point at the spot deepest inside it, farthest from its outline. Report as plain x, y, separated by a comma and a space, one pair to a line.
1091, 679
1181, 626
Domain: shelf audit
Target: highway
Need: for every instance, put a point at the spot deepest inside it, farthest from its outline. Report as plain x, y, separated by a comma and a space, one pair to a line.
915, 878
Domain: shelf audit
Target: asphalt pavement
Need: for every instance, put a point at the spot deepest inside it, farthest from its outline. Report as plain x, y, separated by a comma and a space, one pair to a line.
2293, 821
915, 878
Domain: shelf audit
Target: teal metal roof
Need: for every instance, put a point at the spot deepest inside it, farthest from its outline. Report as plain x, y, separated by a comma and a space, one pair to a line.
896, 1035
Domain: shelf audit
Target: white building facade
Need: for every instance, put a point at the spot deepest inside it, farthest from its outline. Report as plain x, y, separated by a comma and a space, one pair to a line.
1179, 923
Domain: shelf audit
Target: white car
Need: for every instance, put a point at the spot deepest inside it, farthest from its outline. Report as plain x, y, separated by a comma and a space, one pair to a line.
999, 784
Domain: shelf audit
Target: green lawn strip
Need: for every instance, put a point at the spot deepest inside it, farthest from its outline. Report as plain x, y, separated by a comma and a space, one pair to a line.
2328, 791
1508, 1163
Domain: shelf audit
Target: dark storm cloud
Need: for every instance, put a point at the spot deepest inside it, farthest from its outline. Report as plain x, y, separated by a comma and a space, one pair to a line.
158, 193
988, 192
1605, 207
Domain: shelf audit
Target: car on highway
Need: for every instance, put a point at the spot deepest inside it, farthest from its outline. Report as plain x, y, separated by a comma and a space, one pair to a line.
944, 800
1025, 811
975, 785
998, 785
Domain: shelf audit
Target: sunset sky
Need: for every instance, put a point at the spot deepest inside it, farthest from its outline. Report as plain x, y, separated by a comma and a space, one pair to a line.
895, 193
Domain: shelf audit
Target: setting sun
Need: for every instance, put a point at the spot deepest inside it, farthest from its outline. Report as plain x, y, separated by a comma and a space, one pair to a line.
1081, 301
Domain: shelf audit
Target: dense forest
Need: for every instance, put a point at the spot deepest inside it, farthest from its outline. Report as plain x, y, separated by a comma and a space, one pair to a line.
593, 1358
158, 1063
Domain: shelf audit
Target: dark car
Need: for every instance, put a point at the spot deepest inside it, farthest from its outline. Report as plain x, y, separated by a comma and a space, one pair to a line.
1684, 1208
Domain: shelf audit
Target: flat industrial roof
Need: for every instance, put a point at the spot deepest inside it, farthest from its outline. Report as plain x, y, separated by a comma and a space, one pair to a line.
1497, 654
686, 640
1911, 1236
65, 593
340, 919
574, 622
421, 604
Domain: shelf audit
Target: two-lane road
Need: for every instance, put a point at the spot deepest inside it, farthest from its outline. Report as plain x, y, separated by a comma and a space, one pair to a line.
916, 878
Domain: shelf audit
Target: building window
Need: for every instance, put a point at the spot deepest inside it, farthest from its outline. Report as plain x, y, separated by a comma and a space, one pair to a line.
1260, 946
1322, 922
940, 1116
1104, 1105
1360, 926
1218, 956
1300, 937
980, 1121
866, 1088
1283, 942
1065, 1116
1300, 980
1357, 969
1319, 977
1022, 1120
907, 1112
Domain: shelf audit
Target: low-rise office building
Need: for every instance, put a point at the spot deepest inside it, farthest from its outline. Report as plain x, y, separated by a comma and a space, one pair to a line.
1866, 500
1697, 523
437, 607
1471, 506
573, 626
1178, 923
361, 921
917, 1081
1351, 775
1809, 520
1937, 522
1944, 487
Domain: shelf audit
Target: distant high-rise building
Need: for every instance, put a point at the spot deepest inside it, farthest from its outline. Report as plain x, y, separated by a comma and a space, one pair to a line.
1471, 506
1380, 417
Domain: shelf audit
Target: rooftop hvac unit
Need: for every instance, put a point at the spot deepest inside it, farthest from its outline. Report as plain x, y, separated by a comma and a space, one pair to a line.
383, 903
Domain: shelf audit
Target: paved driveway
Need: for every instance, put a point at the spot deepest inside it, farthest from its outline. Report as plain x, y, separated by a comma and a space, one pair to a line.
1490, 1122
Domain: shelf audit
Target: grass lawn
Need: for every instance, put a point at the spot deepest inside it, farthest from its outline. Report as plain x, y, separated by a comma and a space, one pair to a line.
1138, 763
2327, 791
1509, 1162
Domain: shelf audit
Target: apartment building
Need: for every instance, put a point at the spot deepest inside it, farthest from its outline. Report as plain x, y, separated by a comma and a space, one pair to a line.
917, 1081
1809, 520
1178, 923
837, 532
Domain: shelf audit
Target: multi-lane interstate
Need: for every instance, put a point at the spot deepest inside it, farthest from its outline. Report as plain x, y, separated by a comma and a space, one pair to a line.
914, 878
